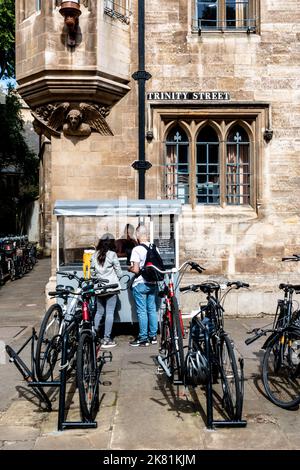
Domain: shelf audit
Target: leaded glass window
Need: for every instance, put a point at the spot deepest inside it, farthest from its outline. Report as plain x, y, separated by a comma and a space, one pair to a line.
208, 171
177, 165
237, 167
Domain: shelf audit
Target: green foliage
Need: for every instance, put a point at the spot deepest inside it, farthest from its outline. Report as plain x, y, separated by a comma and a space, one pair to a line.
7, 38
15, 154
14, 149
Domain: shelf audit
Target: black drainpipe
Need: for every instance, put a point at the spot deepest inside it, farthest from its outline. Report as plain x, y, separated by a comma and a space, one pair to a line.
141, 165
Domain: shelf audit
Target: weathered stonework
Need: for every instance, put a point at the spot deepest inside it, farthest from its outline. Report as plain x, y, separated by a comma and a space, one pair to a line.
261, 73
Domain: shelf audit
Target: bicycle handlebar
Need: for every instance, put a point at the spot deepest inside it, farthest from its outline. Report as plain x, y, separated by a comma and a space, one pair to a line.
258, 334
237, 284
73, 275
105, 288
193, 265
195, 287
61, 292
192, 287
295, 257
196, 266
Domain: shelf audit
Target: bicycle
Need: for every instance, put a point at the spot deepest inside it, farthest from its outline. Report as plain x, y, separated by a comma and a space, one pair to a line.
211, 358
171, 347
56, 319
88, 367
281, 360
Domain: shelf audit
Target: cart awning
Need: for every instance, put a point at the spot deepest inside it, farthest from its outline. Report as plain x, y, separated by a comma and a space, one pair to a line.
129, 207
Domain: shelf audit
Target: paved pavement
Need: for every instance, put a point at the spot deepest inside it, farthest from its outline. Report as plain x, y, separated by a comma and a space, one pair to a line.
139, 409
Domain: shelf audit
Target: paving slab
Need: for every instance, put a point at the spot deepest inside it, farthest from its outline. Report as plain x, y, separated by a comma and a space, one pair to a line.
139, 408
18, 445
18, 433
254, 437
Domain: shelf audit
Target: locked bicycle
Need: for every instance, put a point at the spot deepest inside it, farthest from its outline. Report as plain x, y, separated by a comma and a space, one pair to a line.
211, 358
59, 316
281, 360
171, 357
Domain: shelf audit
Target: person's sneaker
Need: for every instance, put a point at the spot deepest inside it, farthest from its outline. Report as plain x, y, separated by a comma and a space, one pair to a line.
138, 342
153, 340
108, 343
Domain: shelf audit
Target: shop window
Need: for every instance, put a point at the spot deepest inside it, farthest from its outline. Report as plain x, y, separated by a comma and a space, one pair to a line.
225, 15
177, 165
237, 167
207, 167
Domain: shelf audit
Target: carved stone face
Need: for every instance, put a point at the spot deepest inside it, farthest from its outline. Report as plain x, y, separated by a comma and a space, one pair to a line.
74, 118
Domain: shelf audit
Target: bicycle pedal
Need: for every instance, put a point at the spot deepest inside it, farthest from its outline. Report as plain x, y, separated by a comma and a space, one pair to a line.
159, 370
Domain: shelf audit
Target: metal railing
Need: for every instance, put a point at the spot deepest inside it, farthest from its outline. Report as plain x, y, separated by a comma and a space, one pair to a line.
248, 25
117, 10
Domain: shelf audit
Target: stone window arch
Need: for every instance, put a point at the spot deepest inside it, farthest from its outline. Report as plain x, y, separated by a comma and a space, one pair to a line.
211, 156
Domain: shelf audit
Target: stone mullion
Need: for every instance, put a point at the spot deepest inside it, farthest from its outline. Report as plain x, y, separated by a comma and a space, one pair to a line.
222, 162
192, 165
221, 14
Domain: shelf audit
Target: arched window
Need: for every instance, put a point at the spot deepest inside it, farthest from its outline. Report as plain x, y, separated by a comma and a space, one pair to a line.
208, 167
177, 165
238, 167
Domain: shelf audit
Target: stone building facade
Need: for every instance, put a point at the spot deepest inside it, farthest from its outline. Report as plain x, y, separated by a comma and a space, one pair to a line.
222, 123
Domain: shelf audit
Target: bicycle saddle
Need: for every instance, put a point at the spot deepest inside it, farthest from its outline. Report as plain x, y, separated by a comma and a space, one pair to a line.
295, 287
208, 287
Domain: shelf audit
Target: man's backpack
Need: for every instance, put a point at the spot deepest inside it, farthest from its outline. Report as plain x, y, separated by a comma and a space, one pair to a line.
153, 258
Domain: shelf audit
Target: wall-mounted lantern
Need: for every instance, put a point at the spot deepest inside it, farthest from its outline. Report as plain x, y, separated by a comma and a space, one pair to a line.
71, 11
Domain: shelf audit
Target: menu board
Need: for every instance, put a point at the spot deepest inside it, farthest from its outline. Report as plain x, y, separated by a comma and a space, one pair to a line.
166, 250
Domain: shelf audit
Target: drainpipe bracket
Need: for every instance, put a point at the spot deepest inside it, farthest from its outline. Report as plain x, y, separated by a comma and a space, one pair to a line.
141, 75
143, 165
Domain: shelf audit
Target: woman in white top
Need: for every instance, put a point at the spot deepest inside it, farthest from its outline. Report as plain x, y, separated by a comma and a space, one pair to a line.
105, 265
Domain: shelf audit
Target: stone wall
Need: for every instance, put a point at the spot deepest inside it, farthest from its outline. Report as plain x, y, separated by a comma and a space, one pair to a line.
231, 242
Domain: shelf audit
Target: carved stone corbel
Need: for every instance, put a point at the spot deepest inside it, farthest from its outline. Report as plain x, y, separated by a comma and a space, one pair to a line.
73, 119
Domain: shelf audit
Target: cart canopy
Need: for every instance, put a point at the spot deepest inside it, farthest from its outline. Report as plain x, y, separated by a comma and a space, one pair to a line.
129, 207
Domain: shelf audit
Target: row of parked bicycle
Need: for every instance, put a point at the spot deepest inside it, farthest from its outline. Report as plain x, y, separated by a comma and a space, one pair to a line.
17, 256
67, 340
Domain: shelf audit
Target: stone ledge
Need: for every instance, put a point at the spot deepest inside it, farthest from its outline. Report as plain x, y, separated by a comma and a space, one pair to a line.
53, 85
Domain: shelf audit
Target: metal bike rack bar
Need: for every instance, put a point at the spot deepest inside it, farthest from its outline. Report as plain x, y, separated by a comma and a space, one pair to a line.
211, 422
29, 376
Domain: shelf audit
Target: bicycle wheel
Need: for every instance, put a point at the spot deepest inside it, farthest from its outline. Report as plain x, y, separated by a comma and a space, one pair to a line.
87, 377
281, 370
177, 338
49, 343
166, 346
232, 400
12, 271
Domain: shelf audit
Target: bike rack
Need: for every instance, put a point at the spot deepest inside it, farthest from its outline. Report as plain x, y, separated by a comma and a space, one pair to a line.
29, 376
210, 421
